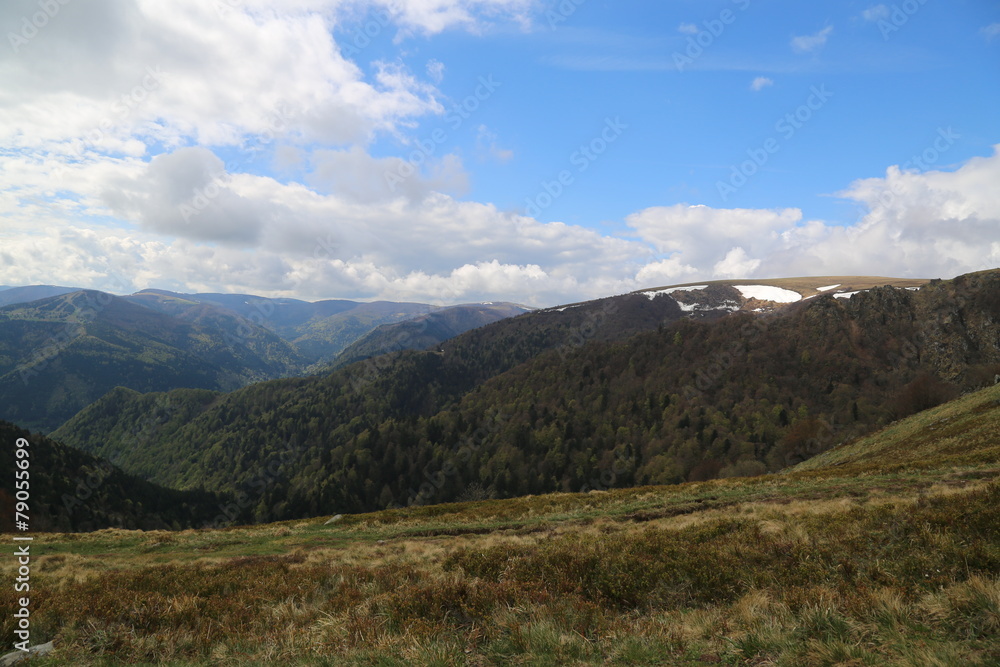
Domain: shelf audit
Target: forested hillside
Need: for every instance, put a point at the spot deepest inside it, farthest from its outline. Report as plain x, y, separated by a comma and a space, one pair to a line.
61, 353
426, 331
622, 393
70, 490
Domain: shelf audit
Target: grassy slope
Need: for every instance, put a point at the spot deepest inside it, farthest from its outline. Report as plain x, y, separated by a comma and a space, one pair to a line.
884, 551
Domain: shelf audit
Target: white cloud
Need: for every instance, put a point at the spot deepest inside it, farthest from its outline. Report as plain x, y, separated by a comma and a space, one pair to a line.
810, 43
354, 174
760, 83
991, 31
736, 264
107, 83
875, 13
301, 243
688, 29
222, 72
488, 148
435, 70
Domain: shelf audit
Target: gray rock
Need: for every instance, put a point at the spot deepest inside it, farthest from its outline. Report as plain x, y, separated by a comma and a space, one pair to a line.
20, 656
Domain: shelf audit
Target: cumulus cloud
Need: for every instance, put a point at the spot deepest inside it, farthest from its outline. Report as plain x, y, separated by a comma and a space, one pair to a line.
931, 224
113, 178
915, 224
688, 29
991, 31
810, 43
760, 83
222, 72
354, 174
188, 193
875, 13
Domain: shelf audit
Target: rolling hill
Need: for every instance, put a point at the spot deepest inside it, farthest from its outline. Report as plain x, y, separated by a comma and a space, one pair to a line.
871, 554
61, 353
628, 390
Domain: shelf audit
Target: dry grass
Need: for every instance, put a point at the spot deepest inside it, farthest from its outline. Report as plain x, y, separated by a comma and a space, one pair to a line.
867, 561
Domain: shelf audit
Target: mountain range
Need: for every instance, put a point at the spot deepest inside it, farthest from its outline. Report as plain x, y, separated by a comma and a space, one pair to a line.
63, 348
659, 386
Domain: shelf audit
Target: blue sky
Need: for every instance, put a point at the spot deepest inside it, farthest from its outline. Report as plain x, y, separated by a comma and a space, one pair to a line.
459, 150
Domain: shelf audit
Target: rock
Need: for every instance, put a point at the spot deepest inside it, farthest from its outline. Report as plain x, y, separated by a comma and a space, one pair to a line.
334, 519
20, 656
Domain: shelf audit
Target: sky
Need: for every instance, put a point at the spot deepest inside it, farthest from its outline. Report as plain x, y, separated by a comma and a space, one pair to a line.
534, 151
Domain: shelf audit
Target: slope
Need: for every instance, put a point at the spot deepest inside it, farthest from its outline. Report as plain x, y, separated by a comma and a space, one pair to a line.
61, 353
896, 565
426, 331
12, 295
70, 490
622, 399
318, 330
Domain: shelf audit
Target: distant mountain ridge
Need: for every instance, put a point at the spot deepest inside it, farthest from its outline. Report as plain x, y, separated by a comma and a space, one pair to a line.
62, 348
12, 295
426, 331
60, 353
649, 387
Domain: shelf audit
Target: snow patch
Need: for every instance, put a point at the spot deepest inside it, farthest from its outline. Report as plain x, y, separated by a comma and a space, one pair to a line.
768, 293
729, 306
913, 289
670, 290
828, 287
846, 295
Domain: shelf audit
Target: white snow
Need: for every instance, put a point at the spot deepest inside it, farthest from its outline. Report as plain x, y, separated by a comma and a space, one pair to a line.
768, 293
846, 295
730, 306
913, 289
670, 290
828, 287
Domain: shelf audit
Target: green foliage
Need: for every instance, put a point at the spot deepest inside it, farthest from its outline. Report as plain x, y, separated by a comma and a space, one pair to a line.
499, 408
74, 491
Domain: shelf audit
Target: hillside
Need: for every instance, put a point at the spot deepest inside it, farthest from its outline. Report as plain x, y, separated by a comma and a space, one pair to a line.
61, 353
12, 295
318, 330
617, 392
73, 491
426, 331
877, 561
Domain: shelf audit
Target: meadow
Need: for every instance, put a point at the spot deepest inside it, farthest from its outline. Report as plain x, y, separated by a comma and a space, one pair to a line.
883, 551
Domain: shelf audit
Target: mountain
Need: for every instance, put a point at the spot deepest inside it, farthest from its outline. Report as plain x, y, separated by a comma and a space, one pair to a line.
426, 331
318, 330
626, 390
73, 491
61, 353
12, 295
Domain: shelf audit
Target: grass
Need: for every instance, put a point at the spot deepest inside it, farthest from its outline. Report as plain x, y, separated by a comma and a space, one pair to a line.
885, 551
